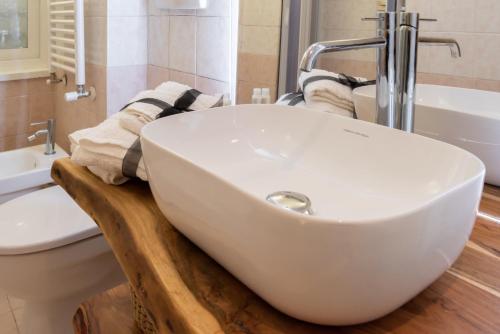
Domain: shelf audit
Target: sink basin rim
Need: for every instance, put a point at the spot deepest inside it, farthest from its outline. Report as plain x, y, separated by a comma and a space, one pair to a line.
313, 218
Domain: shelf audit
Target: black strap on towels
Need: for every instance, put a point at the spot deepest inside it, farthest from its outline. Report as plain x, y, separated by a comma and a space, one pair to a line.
182, 104
149, 100
296, 100
187, 99
134, 153
132, 159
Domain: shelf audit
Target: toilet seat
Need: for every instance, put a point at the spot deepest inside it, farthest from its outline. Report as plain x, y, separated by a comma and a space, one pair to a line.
43, 220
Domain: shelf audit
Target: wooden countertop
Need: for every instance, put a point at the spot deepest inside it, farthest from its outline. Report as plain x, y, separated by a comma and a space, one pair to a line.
185, 291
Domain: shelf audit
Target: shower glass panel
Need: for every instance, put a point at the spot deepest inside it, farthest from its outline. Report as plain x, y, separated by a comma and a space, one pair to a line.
13, 24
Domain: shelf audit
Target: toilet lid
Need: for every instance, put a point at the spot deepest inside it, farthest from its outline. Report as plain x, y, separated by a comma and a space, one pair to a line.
43, 220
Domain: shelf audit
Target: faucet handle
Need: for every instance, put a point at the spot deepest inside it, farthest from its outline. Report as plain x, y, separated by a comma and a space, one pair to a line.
428, 19
50, 122
377, 19
39, 123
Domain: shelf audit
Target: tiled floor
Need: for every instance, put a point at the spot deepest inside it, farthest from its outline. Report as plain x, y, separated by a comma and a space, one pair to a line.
11, 310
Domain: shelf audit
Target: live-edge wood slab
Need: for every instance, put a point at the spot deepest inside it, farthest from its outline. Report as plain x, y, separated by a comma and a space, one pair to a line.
109, 312
185, 291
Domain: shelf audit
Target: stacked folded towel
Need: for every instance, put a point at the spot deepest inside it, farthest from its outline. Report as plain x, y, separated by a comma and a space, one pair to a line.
326, 91
112, 150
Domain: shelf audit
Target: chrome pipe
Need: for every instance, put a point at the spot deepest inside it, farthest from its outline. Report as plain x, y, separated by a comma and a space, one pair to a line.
456, 51
314, 51
406, 71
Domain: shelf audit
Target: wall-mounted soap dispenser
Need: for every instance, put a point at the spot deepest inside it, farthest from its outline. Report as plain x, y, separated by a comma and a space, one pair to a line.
181, 4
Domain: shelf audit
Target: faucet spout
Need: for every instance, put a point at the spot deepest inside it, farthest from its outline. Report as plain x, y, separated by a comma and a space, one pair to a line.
314, 51
455, 49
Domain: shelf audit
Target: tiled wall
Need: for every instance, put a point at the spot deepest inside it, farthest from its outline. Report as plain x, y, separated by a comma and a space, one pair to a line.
191, 46
475, 24
21, 103
130, 45
259, 46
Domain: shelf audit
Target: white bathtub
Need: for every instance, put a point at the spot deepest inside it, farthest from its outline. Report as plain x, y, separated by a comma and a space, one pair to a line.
466, 118
25, 170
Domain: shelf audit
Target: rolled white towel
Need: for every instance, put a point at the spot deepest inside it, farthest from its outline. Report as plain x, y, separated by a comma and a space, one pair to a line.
330, 91
167, 99
297, 100
292, 99
108, 177
110, 151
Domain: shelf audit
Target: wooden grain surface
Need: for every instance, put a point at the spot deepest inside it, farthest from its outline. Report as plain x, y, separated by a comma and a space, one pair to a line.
185, 291
110, 312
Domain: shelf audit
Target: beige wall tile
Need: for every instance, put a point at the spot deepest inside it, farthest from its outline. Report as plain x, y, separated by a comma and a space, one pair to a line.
260, 12
13, 88
258, 68
39, 86
96, 40
491, 85
347, 14
487, 16
259, 40
156, 76
182, 44
41, 107
19, 141
14, 116
213, 48
486, 56
446, 80
159, 28
452, 15
153, 10
210, 86
183, 78
96, 8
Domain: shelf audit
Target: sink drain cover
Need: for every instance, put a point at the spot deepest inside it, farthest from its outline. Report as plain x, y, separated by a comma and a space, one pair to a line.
292, 201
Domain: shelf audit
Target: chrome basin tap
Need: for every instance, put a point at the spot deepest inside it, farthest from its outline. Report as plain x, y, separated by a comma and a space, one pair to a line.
49, 132
397, 50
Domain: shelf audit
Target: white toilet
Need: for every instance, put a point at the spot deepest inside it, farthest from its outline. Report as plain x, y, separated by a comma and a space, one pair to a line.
53, 256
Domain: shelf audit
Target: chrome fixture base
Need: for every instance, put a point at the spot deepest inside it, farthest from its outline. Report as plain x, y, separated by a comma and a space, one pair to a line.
53, 79
49, 132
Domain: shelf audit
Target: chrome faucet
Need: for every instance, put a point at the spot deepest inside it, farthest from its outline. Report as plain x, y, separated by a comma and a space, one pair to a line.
397, 50
49, 132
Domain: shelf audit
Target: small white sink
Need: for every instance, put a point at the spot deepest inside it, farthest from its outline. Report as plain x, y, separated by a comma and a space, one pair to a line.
467, 118
25, 170
391, 211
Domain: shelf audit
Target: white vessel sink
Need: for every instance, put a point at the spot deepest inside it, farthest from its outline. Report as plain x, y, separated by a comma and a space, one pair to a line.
25, 170
466, 118
391, 211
